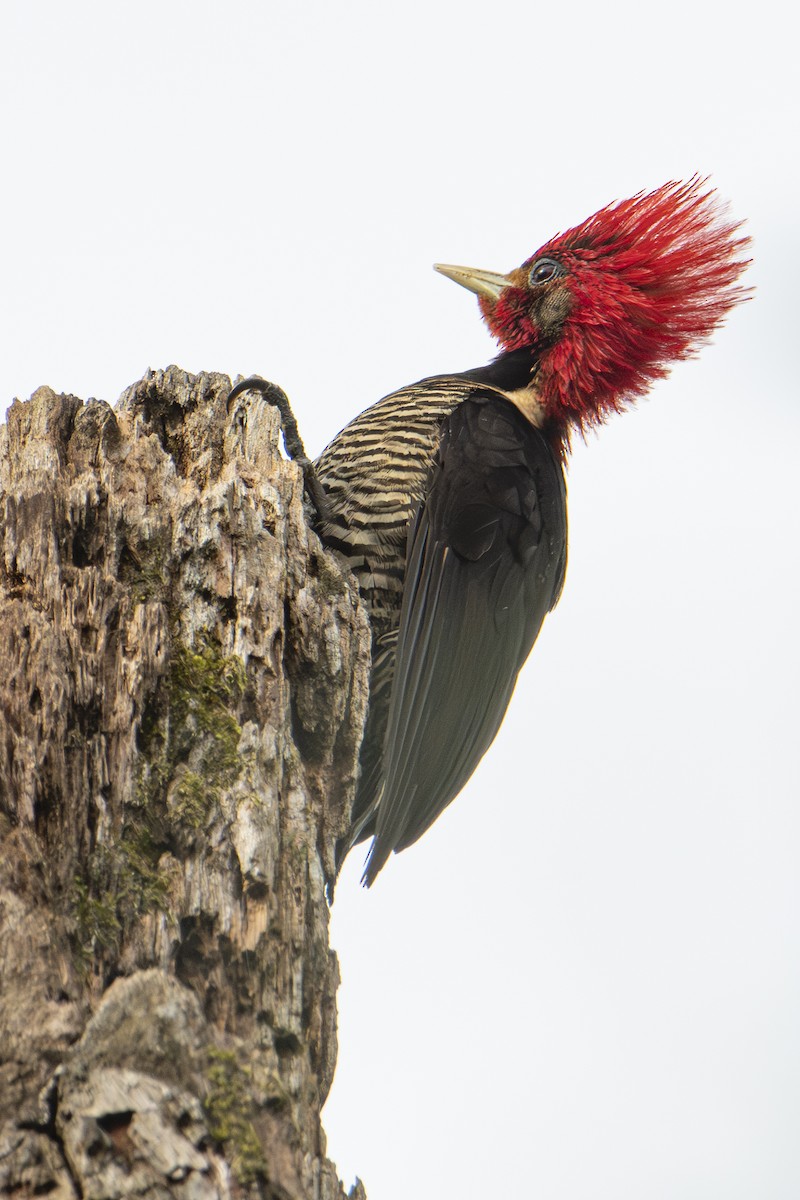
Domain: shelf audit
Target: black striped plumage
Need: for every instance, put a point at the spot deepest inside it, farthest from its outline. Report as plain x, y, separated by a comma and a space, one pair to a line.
450, 508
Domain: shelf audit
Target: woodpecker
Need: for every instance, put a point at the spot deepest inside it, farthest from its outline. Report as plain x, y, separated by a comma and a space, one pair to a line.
447, 498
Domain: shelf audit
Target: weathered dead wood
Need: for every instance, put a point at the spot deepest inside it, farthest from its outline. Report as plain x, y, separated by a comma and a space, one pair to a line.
184, 678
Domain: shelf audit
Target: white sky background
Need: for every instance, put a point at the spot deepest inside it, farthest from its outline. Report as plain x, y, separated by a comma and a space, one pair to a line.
585, 980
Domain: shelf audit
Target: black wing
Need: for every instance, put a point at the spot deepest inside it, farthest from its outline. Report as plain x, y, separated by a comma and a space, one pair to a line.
486, 561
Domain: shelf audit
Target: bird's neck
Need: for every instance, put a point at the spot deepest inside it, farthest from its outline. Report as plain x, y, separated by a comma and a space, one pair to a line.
509, 372
515, 373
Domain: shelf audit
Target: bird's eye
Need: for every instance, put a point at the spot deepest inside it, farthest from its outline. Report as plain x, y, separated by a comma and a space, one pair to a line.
545, 269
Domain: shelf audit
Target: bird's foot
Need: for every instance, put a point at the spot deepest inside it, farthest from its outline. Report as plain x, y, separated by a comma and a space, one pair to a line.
291, 437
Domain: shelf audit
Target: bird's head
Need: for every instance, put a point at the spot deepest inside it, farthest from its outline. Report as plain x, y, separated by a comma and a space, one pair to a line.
606, 307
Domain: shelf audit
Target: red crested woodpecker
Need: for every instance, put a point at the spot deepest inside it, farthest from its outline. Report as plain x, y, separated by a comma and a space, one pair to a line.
447, 498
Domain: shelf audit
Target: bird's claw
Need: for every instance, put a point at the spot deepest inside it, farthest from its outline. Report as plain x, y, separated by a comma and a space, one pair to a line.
291, 436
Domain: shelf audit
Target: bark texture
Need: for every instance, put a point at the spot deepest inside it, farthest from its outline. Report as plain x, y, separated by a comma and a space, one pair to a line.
184, 680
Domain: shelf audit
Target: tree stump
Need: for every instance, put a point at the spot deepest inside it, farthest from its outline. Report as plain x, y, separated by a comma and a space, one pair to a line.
184, 682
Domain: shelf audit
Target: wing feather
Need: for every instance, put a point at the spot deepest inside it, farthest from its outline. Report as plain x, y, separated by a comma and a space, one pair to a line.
485, 563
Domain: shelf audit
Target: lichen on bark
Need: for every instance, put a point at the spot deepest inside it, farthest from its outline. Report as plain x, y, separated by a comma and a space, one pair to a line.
185, 674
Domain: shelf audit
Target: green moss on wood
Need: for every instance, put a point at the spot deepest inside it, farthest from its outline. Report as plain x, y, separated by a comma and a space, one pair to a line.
192, 802
190, 739
122, 882
96, 922
229, 1110
204, 686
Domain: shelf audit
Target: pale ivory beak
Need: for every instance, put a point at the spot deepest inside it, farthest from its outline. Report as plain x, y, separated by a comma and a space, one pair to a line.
483, 283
